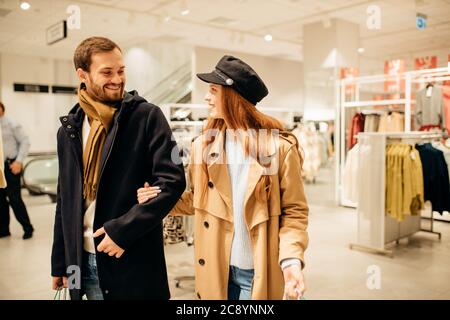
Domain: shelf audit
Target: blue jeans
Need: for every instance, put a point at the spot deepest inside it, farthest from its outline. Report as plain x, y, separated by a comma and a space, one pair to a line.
240, 283
89, 277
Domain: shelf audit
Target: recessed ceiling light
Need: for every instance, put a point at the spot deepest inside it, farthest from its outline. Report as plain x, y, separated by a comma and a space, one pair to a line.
268, 37
361, 50
25, 5
184, 8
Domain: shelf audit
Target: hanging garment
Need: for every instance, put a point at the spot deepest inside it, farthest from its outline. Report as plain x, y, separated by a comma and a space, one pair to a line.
356, 126
394, 122
412, 177
324, 148
435, 176
430, 128
350, 179
310, 148
446, 151
371, 122
404, 181
429, 107
446, 101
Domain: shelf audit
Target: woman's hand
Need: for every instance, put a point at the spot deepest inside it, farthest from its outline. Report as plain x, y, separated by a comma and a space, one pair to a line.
294, 283
147, 192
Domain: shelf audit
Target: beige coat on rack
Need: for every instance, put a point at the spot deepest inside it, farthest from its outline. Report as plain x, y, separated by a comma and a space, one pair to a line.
2, 168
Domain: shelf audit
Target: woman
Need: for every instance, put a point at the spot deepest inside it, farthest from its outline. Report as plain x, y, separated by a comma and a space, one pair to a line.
246, 193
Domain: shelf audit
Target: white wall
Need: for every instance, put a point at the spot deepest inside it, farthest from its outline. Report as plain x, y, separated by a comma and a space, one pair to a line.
283, 78
326, 49
38, 113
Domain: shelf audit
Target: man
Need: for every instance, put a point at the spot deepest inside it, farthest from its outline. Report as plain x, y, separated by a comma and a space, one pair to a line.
15, 148
109, 145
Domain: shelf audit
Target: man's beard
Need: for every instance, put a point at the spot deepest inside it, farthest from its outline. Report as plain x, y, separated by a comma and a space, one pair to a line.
101, 94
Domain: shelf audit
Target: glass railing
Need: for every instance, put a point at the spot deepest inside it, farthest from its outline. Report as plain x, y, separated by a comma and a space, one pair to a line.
40, 176
174, 88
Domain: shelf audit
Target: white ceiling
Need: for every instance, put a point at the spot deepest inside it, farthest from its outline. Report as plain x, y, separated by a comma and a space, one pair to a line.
132, 21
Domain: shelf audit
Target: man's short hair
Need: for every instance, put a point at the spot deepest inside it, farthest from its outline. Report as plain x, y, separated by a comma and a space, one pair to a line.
2, 106
85, 50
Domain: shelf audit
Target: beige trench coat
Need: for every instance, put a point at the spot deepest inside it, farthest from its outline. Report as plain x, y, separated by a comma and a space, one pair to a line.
277, 227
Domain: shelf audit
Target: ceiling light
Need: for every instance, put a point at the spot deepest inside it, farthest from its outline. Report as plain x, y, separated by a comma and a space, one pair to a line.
184, 8
268, 37
25, 6
361, 50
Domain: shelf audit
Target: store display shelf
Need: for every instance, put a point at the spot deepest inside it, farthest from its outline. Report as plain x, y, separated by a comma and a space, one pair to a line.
370, 103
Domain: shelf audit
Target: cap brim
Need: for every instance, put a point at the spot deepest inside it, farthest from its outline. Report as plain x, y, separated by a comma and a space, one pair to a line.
211, 78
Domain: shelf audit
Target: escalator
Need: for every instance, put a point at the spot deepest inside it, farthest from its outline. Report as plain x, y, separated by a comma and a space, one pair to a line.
40, 175
175, 88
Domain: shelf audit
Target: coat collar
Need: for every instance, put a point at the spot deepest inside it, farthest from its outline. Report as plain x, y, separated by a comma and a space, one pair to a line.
74, 120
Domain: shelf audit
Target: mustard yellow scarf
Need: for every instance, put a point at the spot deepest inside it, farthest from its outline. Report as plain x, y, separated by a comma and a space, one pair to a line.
100, 117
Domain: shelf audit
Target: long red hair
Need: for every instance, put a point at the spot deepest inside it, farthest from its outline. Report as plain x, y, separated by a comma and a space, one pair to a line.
238, 113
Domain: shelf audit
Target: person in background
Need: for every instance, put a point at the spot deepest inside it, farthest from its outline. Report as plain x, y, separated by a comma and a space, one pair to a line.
15, 149
250, 222
2, 164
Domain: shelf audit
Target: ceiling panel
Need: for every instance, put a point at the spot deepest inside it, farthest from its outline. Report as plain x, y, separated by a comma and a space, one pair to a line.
128, 20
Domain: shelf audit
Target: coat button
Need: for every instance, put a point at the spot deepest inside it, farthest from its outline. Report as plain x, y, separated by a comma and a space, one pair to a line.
202, 262
210, 184
106, 291
69, 127
64, 119
206, 224
72, 136
198, 295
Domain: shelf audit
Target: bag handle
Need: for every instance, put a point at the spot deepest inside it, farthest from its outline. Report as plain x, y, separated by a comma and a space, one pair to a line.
58, 293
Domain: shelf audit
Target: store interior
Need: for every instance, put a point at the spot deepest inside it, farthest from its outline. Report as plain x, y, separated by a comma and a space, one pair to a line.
357, 82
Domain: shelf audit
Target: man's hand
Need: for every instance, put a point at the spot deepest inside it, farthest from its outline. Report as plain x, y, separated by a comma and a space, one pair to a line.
294, 283
58, 282
16, 167
108, 245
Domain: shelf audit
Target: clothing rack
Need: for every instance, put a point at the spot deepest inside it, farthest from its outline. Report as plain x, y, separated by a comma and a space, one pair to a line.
420, 137
345, 104
376, 230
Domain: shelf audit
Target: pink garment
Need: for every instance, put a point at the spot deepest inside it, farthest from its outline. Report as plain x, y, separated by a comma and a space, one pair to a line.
446, 97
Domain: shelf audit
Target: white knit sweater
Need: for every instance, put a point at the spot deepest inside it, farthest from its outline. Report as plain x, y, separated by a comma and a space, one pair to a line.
238, 166
241, 248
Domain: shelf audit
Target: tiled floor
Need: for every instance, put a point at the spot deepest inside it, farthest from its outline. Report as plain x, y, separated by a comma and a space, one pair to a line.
420, 268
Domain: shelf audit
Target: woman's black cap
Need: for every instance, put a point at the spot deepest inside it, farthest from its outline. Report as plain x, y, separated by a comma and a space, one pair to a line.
233, 72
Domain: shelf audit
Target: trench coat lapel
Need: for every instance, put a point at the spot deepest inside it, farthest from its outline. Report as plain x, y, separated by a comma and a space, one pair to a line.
256, 171
219, 176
